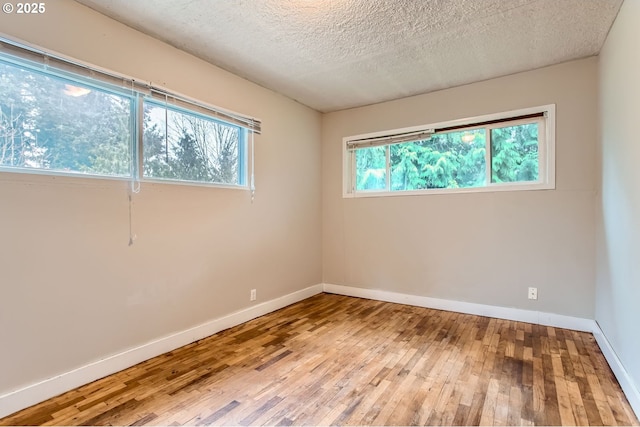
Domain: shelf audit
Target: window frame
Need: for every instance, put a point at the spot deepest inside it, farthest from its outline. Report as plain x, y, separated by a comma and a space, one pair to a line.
97, 85
243, 152
546, 153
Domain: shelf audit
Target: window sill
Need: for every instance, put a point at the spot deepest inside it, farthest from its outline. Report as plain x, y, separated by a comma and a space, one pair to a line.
440, 191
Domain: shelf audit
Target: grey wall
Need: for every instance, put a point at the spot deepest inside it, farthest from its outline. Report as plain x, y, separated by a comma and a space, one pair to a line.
71, 289
618, 207
484, 248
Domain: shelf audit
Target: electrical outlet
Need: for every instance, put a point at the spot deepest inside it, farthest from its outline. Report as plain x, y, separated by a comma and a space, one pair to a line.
253, 295
533, 293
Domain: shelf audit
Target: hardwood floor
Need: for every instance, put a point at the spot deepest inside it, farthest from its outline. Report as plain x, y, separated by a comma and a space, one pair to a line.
339, 360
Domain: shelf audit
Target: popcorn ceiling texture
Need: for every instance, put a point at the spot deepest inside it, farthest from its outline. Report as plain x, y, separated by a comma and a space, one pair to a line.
337, 54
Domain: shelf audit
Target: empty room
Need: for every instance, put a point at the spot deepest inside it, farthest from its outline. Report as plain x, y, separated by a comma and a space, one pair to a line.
319, 212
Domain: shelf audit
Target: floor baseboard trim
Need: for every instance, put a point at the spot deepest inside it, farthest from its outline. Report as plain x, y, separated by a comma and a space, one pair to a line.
548, 319
628, 387
517, 314
38, 392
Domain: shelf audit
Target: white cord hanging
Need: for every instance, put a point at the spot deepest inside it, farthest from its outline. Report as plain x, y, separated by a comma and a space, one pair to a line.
134, 188
134, 185
132, 236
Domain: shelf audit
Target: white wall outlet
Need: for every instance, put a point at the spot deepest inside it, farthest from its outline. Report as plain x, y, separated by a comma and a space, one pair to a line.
253, 295
533, 293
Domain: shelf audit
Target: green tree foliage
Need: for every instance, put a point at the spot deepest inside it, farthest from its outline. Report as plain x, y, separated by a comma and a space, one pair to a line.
451, 160
18, 113
370, 168
52, 123
447, 160
514, 153
189, 161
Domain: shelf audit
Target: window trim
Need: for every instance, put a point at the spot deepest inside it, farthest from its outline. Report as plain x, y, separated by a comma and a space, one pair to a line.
546, 151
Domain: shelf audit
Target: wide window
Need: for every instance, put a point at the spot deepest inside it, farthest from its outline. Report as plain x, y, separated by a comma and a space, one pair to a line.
58, 116
508, 151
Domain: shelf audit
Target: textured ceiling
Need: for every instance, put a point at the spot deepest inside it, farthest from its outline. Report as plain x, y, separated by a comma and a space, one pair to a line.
336, 54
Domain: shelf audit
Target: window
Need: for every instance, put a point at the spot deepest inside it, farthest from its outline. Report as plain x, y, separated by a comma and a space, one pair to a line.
508, 151
185, 146
59, 116
52, 123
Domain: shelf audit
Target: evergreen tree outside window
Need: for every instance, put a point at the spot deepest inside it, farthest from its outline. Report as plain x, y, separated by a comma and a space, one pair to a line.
442, 161
498, 152
52, 123
371, 171
185, 146
514, 153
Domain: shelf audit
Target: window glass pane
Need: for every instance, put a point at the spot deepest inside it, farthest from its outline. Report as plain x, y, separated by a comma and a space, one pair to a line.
447, 160
514, 153
179, 145
57, 124
371, 171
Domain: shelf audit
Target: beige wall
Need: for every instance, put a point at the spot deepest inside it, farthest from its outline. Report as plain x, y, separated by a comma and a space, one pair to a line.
618, 208
71, 289
485, 247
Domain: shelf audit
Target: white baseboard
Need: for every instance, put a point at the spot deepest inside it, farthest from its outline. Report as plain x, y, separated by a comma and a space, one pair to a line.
628, 387
548, 319
529, 316
38, 392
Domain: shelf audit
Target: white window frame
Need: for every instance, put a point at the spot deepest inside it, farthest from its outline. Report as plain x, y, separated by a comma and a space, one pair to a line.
243, 155
546, 153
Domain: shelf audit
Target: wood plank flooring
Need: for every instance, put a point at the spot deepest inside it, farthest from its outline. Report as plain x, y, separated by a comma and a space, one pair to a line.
335, 360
